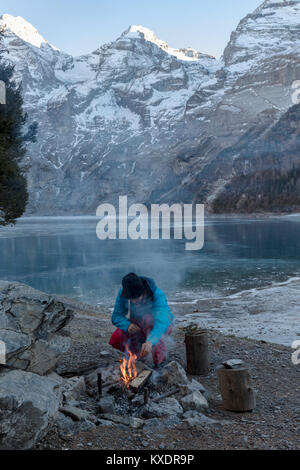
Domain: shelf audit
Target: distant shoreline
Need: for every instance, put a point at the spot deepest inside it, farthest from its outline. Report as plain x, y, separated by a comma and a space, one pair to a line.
256, 215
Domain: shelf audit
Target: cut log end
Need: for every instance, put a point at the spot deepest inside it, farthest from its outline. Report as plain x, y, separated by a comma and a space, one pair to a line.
137, 383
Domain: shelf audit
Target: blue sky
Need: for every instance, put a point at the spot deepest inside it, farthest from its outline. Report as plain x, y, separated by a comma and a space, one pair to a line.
80, 26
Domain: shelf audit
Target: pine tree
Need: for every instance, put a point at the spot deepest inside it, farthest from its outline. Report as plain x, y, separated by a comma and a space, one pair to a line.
13, 185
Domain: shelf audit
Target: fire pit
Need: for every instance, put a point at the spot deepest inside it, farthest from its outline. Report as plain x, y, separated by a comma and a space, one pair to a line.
125, 391
131, 394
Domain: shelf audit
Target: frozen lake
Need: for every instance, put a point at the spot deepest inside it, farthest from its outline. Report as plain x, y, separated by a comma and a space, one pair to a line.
63, 255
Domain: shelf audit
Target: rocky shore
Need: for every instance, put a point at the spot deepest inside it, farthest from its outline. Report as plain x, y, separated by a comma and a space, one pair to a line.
57, 407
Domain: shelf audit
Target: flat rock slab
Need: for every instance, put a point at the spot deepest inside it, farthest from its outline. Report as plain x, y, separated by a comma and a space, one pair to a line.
125, 420
233, 363
167, 422
195, 419
77, 414
29, 405
165, 407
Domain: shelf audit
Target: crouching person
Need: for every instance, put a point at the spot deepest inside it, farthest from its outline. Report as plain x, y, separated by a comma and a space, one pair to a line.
150, 319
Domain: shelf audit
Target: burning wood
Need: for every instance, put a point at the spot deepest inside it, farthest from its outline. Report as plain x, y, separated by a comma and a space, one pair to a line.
128, 368
140, 380
129, 373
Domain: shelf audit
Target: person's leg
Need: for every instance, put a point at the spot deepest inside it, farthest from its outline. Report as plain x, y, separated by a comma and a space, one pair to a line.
118, 339
159, 351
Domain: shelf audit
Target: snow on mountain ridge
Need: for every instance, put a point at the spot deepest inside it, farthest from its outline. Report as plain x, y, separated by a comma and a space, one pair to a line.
146, 33
272, 29
28, 33
135, 105
188, 53
269, 3
24, 30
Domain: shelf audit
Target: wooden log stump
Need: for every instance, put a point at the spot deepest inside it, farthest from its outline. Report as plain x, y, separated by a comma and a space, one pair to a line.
236, 388
197, 357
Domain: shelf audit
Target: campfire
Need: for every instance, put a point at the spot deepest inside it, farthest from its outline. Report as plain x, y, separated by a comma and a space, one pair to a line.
128, 368
130, 375
131, 398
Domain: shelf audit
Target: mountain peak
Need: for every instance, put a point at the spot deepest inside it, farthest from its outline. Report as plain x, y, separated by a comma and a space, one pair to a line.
272, 29
187, 54
141, 31
276, 3
23, 29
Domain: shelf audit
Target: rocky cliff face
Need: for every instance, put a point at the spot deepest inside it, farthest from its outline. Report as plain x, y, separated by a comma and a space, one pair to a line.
260, 64
261, 171
137, 117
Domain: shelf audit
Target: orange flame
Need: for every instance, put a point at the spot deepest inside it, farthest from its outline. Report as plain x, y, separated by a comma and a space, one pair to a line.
128, 368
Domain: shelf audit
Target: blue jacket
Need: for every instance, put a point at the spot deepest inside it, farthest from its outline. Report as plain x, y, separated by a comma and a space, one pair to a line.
158, 308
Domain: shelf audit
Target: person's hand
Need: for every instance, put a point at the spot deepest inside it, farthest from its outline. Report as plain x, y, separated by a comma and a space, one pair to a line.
133, 328
146, 348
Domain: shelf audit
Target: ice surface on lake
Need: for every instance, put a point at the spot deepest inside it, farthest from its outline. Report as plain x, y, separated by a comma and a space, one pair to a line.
271, 314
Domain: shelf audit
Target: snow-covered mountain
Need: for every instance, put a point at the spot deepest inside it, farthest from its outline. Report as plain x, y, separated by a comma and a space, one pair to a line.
138, 117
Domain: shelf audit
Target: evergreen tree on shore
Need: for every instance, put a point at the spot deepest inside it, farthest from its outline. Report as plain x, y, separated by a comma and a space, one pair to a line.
13, 185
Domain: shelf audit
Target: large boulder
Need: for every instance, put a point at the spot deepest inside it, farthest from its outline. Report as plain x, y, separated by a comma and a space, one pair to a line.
29, 322
29, 405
